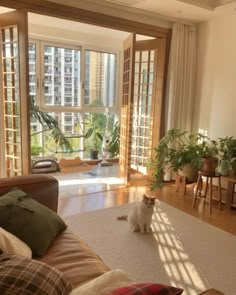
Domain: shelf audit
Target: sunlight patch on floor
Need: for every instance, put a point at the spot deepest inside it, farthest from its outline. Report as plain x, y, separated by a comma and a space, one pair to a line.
104, 180
176, 261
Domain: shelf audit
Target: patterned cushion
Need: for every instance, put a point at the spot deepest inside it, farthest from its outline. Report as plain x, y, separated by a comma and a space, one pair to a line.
20, 275
147, 289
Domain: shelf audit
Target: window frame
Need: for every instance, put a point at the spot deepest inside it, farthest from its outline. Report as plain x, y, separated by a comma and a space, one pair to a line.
115, 107
41, 101
40, 43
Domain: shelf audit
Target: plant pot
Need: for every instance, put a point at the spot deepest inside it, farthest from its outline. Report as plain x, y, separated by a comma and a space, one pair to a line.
93, 154
190, 172
233, 167
209, 165
224, 167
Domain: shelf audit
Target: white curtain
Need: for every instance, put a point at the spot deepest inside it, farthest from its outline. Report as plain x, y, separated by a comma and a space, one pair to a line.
181, 78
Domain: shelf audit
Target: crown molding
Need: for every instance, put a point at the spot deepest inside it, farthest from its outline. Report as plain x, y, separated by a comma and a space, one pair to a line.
75, 13
123, 11
208, 4
224, 2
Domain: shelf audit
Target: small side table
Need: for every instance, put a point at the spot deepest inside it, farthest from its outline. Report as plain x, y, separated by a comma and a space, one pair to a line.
198, 193
230, 191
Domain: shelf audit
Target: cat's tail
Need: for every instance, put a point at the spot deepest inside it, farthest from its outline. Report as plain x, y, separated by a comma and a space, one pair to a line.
122, 217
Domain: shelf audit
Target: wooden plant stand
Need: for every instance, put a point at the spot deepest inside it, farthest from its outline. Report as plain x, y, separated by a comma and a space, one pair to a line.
181, 182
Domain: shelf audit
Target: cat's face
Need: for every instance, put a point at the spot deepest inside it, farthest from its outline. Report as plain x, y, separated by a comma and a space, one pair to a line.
148, 202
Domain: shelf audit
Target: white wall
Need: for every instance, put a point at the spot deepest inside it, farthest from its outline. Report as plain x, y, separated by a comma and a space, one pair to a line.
215, 101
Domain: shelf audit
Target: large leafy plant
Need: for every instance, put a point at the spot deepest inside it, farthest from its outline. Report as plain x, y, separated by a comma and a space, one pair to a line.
174, 151
94, 124
49, 123
114, 143
227, 148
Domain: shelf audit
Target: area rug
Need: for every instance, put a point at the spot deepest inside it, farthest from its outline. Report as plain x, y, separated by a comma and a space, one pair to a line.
182, 250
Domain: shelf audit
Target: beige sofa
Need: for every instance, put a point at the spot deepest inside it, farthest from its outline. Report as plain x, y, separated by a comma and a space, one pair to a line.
68, 252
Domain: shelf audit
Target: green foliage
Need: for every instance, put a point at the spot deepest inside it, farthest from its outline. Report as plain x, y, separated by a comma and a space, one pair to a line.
208, 148
114, 143
227, 148
36, 150
51, 124
176, 149
94, 125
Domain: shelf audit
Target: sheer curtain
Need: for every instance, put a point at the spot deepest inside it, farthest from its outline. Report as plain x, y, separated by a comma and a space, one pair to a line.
181, 77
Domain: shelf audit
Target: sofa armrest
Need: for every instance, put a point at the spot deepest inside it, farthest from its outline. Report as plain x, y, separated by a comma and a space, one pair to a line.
42, 187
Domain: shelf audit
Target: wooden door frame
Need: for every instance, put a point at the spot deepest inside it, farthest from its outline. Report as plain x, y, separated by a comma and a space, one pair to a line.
21, 19
126, 107
159, 46
85, 16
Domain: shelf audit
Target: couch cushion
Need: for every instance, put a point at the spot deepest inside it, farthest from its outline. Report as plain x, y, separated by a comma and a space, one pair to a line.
30, 221
10, 244
74, 258
211, 291
20, 275
105, 283
147, 289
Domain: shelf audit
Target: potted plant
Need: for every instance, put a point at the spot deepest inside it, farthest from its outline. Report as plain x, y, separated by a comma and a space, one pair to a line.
227, 153
176, 150
93, 135
208, 150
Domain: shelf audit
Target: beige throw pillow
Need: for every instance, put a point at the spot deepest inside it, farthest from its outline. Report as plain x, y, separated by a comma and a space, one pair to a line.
105, 283
10, 244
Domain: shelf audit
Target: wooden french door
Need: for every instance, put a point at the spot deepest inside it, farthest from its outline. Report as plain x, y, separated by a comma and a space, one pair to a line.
126, 107
14, 95
141, 112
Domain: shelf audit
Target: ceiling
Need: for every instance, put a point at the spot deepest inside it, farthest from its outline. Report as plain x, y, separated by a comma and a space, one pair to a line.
187, 11
184, 10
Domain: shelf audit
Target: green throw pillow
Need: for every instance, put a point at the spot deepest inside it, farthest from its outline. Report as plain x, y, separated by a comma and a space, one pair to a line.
30, 221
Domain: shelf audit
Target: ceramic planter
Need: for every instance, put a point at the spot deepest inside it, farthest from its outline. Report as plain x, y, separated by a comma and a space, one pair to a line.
209, 165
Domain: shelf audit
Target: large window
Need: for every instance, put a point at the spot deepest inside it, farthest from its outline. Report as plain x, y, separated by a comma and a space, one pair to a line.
61, 76
100, 79
71, 83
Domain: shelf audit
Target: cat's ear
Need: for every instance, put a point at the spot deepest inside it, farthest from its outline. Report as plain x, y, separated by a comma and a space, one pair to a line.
145, 197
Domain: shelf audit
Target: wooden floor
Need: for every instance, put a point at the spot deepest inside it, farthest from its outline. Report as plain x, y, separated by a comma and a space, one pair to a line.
95, 199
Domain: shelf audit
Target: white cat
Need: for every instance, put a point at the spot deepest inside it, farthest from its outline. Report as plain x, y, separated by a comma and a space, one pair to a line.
140, 215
